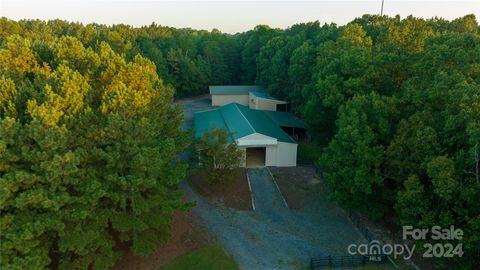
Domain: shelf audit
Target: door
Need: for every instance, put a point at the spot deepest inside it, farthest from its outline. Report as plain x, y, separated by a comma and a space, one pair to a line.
255, 157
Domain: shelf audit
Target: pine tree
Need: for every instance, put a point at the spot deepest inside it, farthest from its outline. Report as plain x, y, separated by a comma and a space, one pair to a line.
87, 156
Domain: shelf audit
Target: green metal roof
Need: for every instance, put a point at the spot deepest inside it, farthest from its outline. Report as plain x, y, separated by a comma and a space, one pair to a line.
265, 96
241, 121
206, 120
285, 119
235, 89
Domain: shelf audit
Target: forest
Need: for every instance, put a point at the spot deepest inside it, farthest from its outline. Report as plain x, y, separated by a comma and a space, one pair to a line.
89, 137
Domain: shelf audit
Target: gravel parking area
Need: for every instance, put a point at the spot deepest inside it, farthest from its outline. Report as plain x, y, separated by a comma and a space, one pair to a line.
299, 185
275, 237
192, 105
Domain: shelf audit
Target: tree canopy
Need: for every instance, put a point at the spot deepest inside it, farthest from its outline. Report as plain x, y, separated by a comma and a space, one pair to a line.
217, 156
88, 142
89, 136
395, 103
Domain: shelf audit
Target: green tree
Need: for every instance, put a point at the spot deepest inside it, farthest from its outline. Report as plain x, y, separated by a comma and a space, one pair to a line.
353, 160
87, 158
343, 69
218, 155
253, 42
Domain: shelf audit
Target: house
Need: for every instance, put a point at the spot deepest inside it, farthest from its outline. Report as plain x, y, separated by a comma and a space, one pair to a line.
253, 96
262, 135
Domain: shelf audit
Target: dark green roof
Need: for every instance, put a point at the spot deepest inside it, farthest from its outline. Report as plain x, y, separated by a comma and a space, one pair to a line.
235, 89
206, 120
264, 95
241, 121
285, 119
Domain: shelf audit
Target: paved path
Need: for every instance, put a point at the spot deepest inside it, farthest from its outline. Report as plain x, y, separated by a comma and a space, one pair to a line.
273, 236
268, 201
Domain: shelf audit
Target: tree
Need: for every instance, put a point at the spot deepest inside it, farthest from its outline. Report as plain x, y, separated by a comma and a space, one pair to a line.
302, 62
407, 36
353, 159
393, 102
343, 69
353, 33
87, 158
218, 155
415, 143
253, 42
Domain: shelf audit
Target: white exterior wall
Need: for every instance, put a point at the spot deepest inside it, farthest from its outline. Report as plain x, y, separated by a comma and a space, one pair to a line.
281, 155
271, 155
220, 100
263, 103
286, 154
277, 154
267, 104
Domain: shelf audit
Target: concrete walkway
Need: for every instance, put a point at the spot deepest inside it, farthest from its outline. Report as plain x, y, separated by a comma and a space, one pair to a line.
269, 203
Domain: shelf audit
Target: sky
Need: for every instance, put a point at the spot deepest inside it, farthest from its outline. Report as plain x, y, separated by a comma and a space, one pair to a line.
229, 16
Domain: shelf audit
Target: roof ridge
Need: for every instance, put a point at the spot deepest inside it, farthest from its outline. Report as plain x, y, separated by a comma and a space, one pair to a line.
277, 124
244, 117
207, 110
225, 122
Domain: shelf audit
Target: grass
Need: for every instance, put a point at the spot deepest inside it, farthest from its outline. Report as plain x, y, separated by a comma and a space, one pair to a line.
309, 151
211, 257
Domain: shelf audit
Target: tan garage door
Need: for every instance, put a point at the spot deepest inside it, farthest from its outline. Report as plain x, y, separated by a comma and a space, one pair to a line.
256, 156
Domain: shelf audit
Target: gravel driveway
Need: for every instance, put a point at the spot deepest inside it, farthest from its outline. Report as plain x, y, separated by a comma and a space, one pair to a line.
272, 236
192, 105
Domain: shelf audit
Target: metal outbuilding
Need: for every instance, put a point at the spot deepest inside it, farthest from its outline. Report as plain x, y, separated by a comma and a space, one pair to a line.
260, 134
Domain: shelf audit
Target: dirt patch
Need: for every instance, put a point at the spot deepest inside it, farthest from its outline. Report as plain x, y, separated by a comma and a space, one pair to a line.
233, 193
185, 237
299, 185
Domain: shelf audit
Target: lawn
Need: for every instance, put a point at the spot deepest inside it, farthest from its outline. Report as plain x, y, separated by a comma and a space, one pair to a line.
211, 257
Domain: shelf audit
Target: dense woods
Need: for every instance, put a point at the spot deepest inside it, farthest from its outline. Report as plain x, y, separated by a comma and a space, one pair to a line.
395, 105
189, 60
88, 134
88, 141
